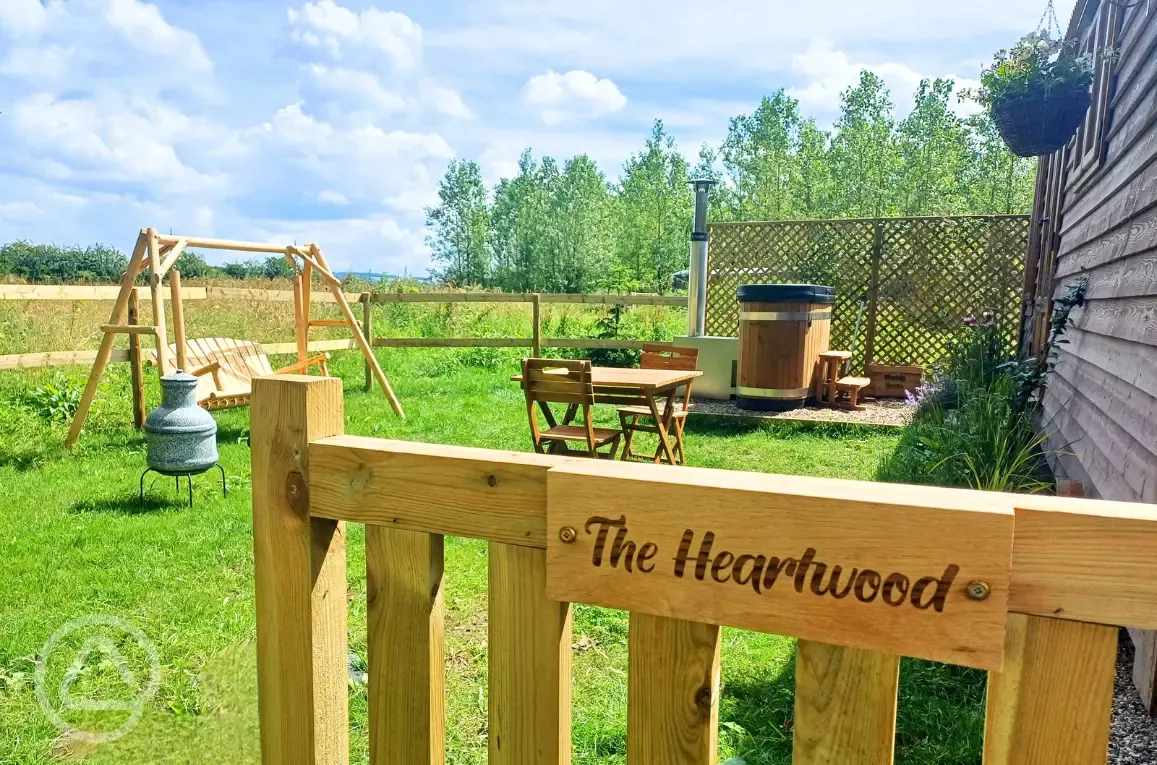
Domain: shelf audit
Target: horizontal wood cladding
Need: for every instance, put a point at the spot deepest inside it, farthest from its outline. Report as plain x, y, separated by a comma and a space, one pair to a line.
1070, 444
1135, 411
1133, 318
1126, 181
1128, 361
1134, 276
1133, 235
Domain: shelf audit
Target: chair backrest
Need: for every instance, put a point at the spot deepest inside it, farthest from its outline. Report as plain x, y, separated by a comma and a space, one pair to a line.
558, 381
670, 357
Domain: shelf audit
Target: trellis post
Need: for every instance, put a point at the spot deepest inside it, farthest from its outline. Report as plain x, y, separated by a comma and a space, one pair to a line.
874, 291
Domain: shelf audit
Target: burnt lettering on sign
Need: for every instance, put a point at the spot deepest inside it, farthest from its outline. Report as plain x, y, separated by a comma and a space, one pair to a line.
807, 575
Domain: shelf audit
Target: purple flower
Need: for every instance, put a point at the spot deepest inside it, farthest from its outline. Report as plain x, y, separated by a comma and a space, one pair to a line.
970, 322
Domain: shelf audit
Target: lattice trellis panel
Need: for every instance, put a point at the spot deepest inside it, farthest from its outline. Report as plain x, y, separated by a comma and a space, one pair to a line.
932, 272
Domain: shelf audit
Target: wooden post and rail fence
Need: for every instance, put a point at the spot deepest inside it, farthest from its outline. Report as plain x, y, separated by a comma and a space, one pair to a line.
1031, 589
536, 342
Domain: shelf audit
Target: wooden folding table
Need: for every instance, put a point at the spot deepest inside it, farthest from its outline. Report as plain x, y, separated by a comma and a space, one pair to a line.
634, 387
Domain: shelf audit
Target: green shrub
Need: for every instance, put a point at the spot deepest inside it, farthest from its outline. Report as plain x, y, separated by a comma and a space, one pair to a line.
56, 401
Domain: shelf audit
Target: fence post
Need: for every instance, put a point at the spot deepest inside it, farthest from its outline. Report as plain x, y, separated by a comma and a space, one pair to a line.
845, 705
405, 634
529, 650
672, 691
136, 364
300, 577
1033, 716
368, 331
536, 306
874, 291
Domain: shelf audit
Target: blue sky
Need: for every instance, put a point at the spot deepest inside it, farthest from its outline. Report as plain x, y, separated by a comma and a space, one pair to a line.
332, 120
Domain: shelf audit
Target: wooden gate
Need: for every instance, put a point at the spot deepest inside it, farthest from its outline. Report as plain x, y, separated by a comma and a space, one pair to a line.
1030, 588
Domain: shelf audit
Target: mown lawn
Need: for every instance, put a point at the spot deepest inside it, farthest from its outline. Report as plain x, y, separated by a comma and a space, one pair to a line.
74, 542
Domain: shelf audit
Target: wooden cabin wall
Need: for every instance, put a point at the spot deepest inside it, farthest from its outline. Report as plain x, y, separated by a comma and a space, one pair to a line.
1101, 402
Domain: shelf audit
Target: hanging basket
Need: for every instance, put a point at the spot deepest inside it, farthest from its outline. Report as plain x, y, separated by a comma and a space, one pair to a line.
1040, 123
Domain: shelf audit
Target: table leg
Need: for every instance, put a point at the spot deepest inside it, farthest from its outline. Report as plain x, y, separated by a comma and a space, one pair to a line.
662, 421
833, 375
571, 411
547, 414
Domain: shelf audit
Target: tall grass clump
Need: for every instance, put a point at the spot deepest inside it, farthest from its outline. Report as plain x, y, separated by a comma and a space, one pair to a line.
979, 422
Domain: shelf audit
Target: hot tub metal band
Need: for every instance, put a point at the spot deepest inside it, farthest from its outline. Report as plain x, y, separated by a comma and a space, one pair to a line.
784, 315
744, 390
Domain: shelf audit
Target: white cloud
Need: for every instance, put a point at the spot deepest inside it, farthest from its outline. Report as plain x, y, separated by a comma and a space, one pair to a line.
37, 61
326, 24
577, 94
447, 102
112, 138
19, 210
142, 26
23, 17
827, 72
356, 87
331, 197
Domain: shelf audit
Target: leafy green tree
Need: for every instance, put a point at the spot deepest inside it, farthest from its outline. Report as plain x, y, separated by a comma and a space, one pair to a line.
654, 214
863, 154
761, 158
814, 189
996, 181
193, 266
581, 234
461, 223
520, 225
932, 145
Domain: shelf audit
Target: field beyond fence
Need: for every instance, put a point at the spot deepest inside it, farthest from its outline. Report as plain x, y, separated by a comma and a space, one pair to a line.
917, 277
43, 335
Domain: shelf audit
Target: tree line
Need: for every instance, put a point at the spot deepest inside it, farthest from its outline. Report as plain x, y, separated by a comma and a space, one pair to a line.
565, 227
98, 263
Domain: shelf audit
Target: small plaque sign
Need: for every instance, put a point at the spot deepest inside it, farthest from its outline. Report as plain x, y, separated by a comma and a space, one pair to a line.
892, 381
908, 570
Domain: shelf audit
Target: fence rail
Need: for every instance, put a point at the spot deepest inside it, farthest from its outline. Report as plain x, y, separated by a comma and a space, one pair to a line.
1030, 588
39, 359
917, 277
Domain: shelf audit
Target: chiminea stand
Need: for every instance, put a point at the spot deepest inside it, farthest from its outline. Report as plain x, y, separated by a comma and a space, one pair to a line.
188, 478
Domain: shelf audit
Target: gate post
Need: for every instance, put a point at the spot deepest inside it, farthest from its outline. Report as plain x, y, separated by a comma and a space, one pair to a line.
300, 577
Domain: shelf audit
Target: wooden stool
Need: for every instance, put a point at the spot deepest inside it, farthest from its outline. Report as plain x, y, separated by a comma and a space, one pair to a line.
831, 367
848, 392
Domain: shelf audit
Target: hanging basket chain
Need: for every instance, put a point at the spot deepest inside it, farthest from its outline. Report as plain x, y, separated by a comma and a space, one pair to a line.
1048, 22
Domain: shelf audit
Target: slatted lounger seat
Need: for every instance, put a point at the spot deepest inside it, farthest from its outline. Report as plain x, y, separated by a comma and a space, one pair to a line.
227, 368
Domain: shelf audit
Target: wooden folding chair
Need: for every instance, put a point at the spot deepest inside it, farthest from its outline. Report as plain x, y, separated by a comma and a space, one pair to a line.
562, 381
660, 357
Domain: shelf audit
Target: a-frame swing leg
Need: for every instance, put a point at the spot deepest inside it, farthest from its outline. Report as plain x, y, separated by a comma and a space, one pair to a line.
106, 343
364, 344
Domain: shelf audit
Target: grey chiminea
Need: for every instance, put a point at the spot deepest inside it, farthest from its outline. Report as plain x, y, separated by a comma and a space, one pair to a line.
181, 436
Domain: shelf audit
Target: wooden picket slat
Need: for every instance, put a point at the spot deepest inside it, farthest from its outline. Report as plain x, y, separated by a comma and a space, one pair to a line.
845, 705
299, 573
672, 691
1050, 703
405, 640
529, 649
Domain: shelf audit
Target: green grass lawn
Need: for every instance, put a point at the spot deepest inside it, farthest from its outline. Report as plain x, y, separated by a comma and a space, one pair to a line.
74, 542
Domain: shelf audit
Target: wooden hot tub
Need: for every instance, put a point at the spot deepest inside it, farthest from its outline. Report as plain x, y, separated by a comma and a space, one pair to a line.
782, 330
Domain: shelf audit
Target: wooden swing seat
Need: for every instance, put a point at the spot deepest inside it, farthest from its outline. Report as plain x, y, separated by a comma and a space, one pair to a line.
227, 368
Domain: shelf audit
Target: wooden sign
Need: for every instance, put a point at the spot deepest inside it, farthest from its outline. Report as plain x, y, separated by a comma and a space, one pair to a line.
870, 565
891, 381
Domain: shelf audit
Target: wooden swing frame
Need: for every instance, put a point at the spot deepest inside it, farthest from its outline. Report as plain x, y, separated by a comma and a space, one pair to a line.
158, 253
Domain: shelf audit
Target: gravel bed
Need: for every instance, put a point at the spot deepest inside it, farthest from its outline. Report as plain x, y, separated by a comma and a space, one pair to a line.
883, 411
1133, 740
